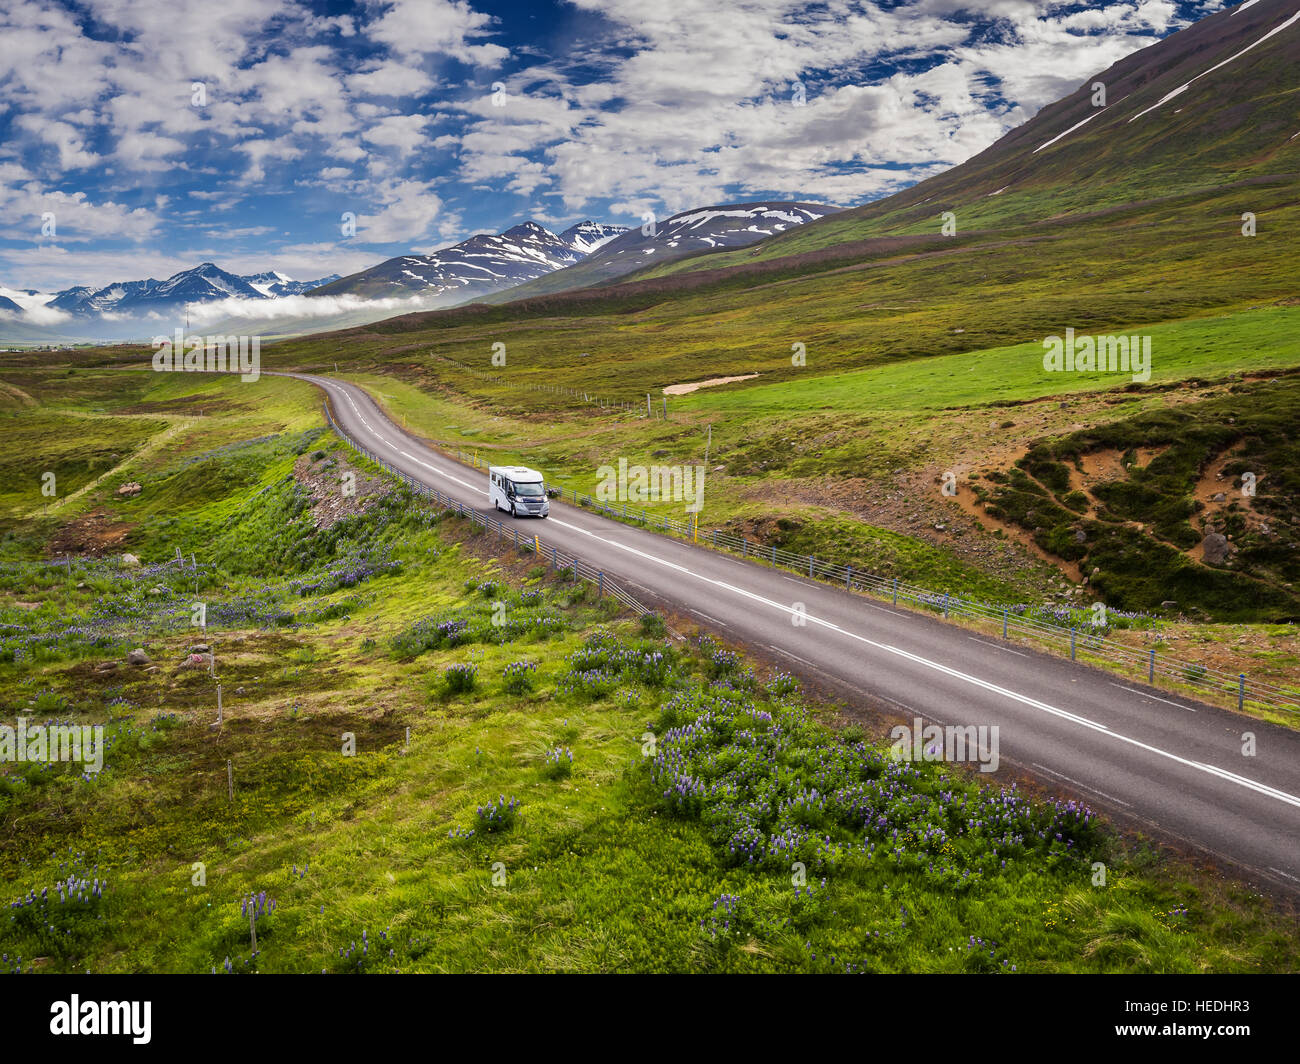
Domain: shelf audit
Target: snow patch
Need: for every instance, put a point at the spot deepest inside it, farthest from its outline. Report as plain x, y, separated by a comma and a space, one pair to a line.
1183, 88
1049, 143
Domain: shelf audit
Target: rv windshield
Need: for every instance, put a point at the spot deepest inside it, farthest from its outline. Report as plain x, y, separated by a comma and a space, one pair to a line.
529, 491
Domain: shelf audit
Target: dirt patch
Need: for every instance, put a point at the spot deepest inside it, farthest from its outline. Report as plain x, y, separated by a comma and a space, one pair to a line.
94, 534
338, 489
712, 382
1099, 467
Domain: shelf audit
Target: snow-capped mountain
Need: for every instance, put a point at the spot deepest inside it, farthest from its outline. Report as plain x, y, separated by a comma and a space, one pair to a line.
273, 284
83, 300
703, 229
202, 284
586, 237
484, 263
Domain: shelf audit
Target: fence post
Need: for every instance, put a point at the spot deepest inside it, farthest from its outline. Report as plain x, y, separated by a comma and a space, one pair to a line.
848, 578
1241, 691
1004, 622
810, 566
715, 539
1151, 667
895, 591
744, 547
600, 582
1072, 644
945, 604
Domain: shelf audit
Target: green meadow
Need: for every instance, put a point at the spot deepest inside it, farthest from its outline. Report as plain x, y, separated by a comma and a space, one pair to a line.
1210, 348
578, 790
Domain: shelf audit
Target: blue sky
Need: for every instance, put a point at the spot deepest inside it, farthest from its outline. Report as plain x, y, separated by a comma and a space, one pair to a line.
163, 133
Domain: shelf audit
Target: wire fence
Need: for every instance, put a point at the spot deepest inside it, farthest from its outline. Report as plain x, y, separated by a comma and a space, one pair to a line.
1084, 642
649, 410
560, 561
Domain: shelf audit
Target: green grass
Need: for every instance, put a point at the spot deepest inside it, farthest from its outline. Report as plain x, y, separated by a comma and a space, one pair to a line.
594, 869
1211, 348
76, 453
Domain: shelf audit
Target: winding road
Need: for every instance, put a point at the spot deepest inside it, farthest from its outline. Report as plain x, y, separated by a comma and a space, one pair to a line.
1144, 756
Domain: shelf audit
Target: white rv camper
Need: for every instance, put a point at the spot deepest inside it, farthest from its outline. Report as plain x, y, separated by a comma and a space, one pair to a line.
519, 491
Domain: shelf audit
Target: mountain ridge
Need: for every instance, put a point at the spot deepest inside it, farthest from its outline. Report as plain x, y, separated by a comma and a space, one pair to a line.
477, 266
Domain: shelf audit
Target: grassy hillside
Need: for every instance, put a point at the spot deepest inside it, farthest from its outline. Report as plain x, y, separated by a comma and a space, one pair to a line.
577, 793
1094, 156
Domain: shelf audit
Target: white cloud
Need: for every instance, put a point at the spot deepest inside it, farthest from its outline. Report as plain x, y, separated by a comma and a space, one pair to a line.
658, 106
407, 211
435, 27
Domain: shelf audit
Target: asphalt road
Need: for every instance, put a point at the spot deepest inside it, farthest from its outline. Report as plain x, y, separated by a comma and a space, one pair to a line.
1139, 754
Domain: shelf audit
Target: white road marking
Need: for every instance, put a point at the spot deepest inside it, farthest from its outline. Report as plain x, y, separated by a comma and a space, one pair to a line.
1084, 786
440, 473
1135, 691
713, 620
796, 657
998, 646
1015, 696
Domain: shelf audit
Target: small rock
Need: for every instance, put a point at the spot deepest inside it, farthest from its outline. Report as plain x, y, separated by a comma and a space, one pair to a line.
1169, 604
200, 648
131, 488
157, 589
130, 561
137, 657
1080, 536
1219, 496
